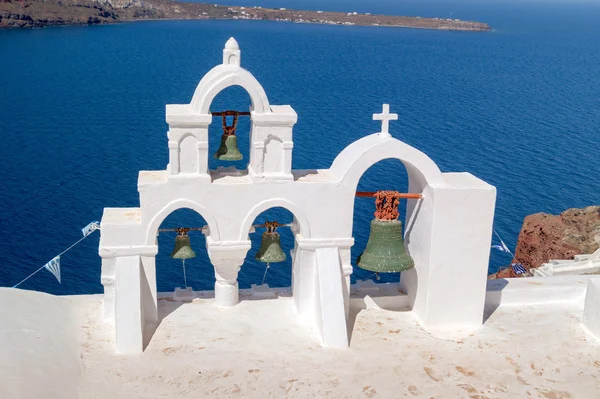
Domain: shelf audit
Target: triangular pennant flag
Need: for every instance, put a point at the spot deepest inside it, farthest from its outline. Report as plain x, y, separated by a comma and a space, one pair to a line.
90, 228
54, 267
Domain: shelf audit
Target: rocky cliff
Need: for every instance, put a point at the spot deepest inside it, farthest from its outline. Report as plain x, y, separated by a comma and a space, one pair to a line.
33, 14
544, 237
38, 13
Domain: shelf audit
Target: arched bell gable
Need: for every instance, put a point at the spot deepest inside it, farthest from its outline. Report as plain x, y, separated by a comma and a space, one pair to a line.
222, 77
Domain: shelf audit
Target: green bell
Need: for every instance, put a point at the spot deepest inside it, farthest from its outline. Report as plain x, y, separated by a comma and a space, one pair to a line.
385, 251
228, 150
270, 249
182, 249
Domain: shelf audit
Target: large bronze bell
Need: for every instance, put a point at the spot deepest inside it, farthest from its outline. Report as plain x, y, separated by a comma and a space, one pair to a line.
385, 251
183, 249
228, 149
270, 246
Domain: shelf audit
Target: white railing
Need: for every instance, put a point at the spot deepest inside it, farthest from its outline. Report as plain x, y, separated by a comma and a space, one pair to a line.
582, 264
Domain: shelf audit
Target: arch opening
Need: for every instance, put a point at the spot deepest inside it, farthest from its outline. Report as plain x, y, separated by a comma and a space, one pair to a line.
279, 274
199, 271
231, 98
387, 174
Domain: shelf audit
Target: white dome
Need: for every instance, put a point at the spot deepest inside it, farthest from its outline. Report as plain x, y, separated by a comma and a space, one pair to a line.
232, 44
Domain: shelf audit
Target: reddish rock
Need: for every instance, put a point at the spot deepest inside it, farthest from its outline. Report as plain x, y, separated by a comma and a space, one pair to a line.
544, 237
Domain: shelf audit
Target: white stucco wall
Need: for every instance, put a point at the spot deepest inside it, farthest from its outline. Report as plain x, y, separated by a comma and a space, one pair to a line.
39, 346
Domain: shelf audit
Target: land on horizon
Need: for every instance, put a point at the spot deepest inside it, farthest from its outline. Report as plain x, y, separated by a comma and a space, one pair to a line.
38, 13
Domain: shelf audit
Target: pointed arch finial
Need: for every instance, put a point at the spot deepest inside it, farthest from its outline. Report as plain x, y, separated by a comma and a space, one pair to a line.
231, 52
232, 44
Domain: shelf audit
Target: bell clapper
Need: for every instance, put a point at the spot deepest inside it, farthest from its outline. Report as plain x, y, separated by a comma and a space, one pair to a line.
265, 275
184, 277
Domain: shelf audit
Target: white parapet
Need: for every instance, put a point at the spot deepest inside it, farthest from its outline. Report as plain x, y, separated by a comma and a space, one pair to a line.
591, 309
581, 264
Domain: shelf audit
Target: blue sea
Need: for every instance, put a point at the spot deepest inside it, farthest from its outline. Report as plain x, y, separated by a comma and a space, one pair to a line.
82, 110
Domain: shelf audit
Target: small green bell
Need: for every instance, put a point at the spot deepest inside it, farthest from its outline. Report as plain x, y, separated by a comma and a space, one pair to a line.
385, 251
270, 248
182, 249
228, 150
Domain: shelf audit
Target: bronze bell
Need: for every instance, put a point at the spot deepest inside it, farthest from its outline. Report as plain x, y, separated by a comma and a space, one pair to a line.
270, 247
228, 149
183, 249
385, 252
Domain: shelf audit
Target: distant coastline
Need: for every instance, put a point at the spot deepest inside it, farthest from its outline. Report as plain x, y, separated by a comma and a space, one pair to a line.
36, 13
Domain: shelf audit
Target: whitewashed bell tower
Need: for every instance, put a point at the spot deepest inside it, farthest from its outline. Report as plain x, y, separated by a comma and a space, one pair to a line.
447, 230
271, 125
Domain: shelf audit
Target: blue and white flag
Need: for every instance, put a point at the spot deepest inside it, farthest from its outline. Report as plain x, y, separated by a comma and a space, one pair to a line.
518, 268
499, 248
54, 267
502, 247
90, 228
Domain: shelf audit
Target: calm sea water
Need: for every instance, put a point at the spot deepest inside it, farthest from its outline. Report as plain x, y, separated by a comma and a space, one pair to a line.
82, 110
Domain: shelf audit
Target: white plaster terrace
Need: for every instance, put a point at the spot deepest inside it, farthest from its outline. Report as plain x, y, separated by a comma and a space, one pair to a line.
533, 343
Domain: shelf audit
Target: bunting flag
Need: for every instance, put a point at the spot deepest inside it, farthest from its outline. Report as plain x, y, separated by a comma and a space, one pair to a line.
54, 267
500, 248
90, 228
518, 268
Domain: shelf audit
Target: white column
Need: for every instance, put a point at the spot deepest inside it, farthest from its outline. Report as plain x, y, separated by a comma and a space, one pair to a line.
227, 258
226, 286
174, 157
148, 289
331, 298
107, 279
346, 260
450, 279
304, 278
203, 157
287, 156
129, 323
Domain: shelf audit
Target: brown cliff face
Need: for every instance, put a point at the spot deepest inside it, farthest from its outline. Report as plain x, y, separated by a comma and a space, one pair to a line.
544, 237
32, 14
38, 13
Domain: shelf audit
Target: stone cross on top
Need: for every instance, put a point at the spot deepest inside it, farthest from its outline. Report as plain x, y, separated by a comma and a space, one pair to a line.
385, 117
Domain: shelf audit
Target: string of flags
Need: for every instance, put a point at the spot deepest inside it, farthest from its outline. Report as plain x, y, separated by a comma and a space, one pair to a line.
517, 268
90, 228
54, 265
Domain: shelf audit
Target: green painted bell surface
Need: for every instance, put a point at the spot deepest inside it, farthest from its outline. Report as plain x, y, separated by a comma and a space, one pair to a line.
385, 252
182, 249
228, 150
270, 249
